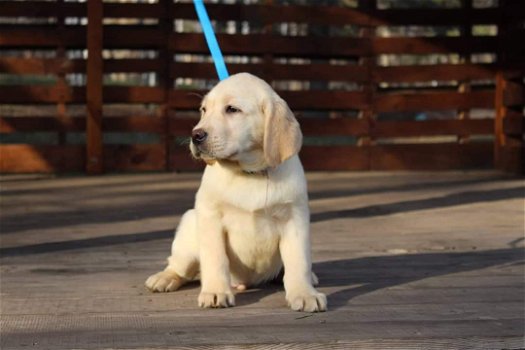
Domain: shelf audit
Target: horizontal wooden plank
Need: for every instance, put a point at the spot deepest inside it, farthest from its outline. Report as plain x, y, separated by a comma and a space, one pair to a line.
510, 158
182, 127
40, 94
314, 71
404, 102
514, 9
41, 159
186, 99
42, 9
135, 157
317, 72
32, 124
135, 37
434, 16
52, 94
67, 158
312, 157
132, 65
41, 37
325, 100
259, 44
268, 14
71, 158
329, 15
207, 70
179, 126
297, 100
148, 124
462, 45
436, 156
335, 158
386, 129
48, 9
133, 94
29, 158
398, 157
135, 10
254, 44
180, 159
55, 66
380, 157
334, 126
514, 125
514, 94
437, 72
18, 65
309, 126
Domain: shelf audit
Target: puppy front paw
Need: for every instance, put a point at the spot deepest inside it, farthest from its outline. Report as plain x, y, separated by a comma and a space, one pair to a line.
307, 301
216, 300
164, 281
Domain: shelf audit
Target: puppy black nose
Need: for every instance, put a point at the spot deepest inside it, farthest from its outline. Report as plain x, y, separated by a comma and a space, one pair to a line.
198, 136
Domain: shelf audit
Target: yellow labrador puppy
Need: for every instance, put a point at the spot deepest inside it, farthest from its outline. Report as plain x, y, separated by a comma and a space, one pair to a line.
251, 213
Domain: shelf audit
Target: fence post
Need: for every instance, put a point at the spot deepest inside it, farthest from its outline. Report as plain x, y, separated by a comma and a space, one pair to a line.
465, 86
509, 125
499, 136
509, 121
165, 81
94, 85
61, 83
369, 87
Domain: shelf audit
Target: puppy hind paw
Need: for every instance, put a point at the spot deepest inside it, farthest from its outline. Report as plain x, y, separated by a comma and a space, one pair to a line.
216, 300
308, 302
164, 281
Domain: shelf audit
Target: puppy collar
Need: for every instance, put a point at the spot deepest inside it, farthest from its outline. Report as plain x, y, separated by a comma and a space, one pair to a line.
263, 172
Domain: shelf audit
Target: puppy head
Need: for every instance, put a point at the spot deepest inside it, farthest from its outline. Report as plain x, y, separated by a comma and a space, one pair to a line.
243, 120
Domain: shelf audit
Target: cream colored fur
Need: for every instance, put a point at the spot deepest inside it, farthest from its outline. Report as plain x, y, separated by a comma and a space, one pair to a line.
251, 212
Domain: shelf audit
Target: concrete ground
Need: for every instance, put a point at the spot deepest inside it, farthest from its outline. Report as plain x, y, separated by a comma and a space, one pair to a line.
408, 261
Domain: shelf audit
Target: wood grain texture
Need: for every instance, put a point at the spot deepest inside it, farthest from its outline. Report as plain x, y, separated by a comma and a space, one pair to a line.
399, 102
41, 159
386, 129
431, 156
42, 66
134, 157
407, 260
336, 70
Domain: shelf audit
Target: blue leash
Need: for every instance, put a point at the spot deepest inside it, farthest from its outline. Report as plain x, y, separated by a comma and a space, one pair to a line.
211, 40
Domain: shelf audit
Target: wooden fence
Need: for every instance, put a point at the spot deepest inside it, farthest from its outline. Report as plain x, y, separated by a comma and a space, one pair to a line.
375, 87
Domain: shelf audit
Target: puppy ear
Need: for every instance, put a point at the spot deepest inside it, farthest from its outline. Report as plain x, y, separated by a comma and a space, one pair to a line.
282, 134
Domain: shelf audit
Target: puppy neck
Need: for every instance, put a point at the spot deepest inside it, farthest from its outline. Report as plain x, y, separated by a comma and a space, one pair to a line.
249, 162
237, 167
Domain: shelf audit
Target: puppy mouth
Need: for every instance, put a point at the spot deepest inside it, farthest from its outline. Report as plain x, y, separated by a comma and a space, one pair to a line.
204, 153
197, 152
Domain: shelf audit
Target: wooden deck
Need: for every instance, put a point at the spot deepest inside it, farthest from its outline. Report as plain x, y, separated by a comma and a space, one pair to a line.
408, 261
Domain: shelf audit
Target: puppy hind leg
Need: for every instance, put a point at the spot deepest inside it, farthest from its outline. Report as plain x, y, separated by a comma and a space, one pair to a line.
183, 264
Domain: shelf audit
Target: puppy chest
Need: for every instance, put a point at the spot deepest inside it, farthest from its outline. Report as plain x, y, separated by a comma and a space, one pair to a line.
253, 241
265, 221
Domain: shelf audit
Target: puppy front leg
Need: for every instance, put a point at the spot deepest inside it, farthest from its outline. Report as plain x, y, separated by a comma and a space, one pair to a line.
215, 270
294, 247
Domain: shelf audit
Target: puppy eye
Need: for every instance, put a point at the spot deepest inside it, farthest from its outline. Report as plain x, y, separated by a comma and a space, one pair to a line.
203, 109
231, 110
